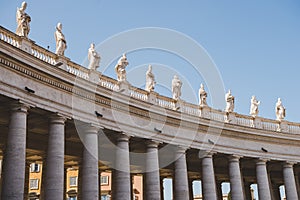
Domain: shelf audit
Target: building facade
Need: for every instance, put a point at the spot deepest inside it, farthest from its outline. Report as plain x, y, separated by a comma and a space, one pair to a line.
58, 113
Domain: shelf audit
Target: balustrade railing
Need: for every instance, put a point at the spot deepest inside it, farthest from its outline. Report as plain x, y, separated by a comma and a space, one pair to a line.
136, 93
77, 70
43, 54
9, 37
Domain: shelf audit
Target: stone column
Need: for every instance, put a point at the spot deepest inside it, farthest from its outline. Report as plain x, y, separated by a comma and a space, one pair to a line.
65, 182
54, 178
276, 191
289, 181
79, 181
219, 190
26, 183
152, 182
162, 189
247, 187
208, 178
90, 166
121, 173
297, 183
264, 191
13, 172
236, 184
191, 190
0, 176
181, 186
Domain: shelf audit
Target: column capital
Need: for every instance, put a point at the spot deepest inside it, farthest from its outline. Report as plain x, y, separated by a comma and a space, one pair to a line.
92, 128
123, 137
57, 118
262, 161
152, 143
181, 149
20, 107
234, 158
206, 153
289, 164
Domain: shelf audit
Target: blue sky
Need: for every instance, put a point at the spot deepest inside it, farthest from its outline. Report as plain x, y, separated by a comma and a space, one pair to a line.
254, 44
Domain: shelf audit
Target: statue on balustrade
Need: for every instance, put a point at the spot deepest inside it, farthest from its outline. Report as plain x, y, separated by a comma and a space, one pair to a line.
202, 96
120, 68
254, 107
279, 110
61, 43
93, 57
23, 20
176, 88
150, 80
229, 102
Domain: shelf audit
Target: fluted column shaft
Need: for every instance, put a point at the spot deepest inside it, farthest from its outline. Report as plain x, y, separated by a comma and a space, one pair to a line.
181, 185
264, 191
54, 179
289, 181
152, 187
236, 184
121, 173
208, 178
14, 156
90, 167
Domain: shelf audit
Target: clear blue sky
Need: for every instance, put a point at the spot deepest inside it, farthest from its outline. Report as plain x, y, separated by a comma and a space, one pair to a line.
255, 44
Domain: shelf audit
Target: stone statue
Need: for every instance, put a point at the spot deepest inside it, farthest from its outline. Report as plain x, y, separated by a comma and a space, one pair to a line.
120, 68
150, 80
93, 57
61, 43
23, 20
202, 96
279, 110
176, 88
229, 102
254, 107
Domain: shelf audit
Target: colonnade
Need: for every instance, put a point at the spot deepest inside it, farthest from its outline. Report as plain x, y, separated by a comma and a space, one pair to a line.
14, 179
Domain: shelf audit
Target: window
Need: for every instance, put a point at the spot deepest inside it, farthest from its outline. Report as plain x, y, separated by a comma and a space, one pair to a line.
72, 198
34, 167
34, 184
104, 180
105, 197
73, 181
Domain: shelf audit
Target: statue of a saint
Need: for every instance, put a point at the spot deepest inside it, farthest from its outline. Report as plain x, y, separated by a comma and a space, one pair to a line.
23, 20
150, 80
229, 102
279, 110
61, 43
202, 96
120, 68
254, 107
176, 88
93, 57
